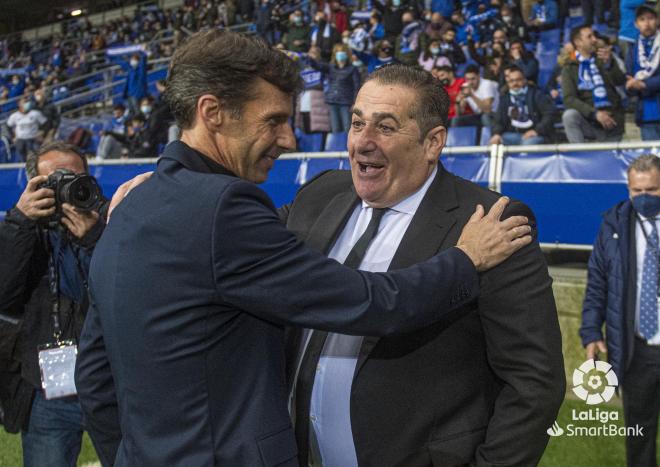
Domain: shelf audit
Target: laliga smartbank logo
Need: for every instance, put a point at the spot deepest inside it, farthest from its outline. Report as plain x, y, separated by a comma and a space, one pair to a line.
594, 382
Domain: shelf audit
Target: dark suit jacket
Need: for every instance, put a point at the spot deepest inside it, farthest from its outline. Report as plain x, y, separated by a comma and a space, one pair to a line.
483, 388
191, 286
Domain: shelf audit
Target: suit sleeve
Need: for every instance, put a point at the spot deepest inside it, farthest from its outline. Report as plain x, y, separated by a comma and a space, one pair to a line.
96, 390
262, 268
595, 298
523, 342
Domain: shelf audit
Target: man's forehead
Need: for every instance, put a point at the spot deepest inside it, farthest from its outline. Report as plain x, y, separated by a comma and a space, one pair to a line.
375, 99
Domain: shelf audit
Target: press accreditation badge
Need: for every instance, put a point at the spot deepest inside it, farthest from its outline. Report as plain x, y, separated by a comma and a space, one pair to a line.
57, 364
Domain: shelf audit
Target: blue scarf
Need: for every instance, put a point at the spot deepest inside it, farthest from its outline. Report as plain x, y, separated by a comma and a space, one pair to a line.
408, 38
519, 112
589, 79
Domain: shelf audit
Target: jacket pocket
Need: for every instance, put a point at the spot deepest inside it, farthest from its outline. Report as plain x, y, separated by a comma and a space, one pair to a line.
278, 449
456, 450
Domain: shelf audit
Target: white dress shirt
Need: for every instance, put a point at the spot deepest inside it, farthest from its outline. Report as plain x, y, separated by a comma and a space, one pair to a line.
331, 437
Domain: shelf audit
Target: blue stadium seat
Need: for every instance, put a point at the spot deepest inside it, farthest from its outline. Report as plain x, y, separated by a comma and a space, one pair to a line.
336, 141
462, 136
310, 142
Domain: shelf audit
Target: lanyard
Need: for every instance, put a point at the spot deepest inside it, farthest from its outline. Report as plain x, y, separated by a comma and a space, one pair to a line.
54, 286
653, 247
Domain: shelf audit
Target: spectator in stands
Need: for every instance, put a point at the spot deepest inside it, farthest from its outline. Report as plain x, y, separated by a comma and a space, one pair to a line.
431, 57
511, 24
627, 31
525, 115
264, 22
135, 87
325, 36
51, 429
43, 105
137, 139
392, 14
17, 86
593, 106
591, 8
553, 86
452, 85
484, 51
407, 44
298, 34
383, 54
544, 15
25, 123
520, 57
434, 30
451, 49
482, 95
461, 27
376, 28
644, 73
109, 146
343, 83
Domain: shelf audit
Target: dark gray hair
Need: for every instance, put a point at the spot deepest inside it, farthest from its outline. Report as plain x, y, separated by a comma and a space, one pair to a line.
644, 163
431, 107
32, 159
226, 65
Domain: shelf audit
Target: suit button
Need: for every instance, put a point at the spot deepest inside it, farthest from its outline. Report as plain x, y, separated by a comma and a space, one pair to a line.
312, 418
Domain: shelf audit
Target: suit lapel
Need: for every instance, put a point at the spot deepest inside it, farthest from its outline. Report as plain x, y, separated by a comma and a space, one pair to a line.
423, 238
331, 221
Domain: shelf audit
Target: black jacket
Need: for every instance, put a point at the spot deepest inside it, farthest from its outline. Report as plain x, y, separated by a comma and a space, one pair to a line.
541, 109
26, 321
480, 387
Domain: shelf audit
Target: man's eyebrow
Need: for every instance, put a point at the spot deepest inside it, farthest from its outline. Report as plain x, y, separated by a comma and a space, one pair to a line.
380, 116
278, 116
356, 111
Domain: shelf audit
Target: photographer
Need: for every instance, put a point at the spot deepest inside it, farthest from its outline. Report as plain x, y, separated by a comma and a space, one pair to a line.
46, 245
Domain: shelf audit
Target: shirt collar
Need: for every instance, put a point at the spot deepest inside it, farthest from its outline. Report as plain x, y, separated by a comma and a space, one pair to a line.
410, 204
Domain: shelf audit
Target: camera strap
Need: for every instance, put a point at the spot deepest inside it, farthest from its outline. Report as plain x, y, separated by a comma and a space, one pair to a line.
54, 286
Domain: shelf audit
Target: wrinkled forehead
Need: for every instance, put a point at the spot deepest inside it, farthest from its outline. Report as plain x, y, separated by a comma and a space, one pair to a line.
378, 99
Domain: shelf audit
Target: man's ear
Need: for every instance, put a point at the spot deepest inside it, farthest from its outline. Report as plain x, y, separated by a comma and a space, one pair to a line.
209, 111
434, 141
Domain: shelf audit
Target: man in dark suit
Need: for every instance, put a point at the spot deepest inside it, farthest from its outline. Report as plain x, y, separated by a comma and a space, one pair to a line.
182, 355
480, 389
622, 294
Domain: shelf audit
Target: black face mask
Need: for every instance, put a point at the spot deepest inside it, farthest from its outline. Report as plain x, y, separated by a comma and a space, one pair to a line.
436, 26
444, 82
386, 50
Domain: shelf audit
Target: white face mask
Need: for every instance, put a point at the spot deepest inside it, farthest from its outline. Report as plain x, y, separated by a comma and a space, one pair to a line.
345, 40
134, 63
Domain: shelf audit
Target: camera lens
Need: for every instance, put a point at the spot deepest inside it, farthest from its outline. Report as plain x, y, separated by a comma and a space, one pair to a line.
83, 193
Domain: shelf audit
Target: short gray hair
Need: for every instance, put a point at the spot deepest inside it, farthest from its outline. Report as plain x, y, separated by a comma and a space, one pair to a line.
32, 160
431, 107
644, 163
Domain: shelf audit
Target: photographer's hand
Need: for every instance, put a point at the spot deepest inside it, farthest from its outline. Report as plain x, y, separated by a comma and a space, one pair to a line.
36, 202
124, 189
78, 222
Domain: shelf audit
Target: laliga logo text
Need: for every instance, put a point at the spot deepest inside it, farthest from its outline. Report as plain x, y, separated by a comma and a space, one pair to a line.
595, 382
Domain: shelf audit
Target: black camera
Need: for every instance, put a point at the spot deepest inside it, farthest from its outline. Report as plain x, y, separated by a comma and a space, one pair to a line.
82, 191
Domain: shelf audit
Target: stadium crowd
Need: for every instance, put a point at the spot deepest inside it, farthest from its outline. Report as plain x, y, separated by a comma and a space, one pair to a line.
491, 56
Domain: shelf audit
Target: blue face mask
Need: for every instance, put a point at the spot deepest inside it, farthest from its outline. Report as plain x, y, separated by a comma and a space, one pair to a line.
341, 57
434, 50
518, 92
357, 63
27, 106
396, 3
647, 205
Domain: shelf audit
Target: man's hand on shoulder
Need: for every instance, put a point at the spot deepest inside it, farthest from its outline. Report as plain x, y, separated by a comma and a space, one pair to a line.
125, 188
488, 241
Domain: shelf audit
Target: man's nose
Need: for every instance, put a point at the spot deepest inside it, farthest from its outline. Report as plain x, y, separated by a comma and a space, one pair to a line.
286, 138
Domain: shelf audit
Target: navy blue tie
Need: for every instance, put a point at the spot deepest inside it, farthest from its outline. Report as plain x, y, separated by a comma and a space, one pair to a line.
648, 307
